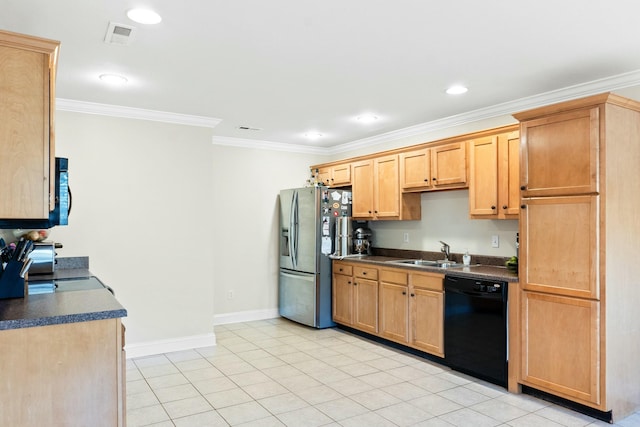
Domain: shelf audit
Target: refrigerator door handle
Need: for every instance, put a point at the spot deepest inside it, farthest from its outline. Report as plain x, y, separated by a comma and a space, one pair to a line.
305, 277
293, 241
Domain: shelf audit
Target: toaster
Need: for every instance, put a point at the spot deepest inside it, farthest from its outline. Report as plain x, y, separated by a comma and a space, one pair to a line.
44, 258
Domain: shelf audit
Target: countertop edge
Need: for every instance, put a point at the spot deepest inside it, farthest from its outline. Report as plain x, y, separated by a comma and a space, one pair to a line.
60, 308
383, 261
62, 319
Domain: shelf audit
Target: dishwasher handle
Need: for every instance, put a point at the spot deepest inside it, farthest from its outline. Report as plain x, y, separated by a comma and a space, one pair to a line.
479, 294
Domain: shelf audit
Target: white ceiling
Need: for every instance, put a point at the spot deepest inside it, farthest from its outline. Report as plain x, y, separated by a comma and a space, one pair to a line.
293, 66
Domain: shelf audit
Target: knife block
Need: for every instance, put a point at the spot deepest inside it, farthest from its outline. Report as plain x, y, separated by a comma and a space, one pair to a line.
11, 284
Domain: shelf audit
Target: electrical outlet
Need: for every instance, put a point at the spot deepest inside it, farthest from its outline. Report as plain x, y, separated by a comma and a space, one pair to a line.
495, 241
230, 295
405, 237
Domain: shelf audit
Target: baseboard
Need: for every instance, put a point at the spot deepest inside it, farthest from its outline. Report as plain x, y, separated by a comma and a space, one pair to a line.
245, 316
170, 345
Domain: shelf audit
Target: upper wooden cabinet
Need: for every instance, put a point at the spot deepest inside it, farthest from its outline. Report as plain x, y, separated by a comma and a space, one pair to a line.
560, 154
376, 192
440, 167
335, 176
27, 100
494, 179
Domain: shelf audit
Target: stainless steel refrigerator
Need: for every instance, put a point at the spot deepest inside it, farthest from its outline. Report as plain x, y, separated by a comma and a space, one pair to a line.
307, 227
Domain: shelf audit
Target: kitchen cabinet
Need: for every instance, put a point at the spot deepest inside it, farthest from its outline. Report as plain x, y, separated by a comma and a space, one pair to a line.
394, 305
412, 309
335, 175
562, 339
376, 193
578, 251
433, 168
560, 153
72, 373
494, 179
560, 246
426, 310
355, 296
27, 137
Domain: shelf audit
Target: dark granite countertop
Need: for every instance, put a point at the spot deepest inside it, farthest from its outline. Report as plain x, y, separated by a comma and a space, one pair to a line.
477, 271
60, 307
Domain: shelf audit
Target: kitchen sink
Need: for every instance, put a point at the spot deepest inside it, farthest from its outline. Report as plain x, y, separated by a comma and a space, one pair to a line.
427, 263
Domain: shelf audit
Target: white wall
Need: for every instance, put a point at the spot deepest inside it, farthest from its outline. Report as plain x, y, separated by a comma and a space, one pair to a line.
445, 216
142, 210
173, 223
245, 245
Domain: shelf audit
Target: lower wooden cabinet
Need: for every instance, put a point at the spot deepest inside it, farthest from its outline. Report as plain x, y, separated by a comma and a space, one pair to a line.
393, 303
355, 296
365, 303
343, 298
561, 346
66, 374
426, 310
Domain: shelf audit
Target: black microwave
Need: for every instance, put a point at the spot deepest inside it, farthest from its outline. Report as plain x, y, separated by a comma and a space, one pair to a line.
63, 200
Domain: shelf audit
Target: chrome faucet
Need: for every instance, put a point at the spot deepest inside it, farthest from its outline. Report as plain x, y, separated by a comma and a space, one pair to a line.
446, 250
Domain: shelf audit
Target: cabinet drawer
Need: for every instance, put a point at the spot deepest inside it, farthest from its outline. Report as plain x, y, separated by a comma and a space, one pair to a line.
394, 276
340, 268
427, 281
366, 272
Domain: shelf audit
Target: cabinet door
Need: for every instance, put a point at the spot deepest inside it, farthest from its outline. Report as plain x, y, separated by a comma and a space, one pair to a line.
24, 133
64, 375
558, 246
394, 312
386, 187
509, 175
366, 305
483, 180
560, 154
449, 165
324, 176
427, 320
343, 299
561, 346
415, 170
341, 175
362, 197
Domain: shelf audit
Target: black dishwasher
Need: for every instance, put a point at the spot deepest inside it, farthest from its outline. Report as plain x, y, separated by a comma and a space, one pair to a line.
475, 327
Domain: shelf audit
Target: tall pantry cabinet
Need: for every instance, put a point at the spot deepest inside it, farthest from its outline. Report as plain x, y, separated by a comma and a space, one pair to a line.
579, 230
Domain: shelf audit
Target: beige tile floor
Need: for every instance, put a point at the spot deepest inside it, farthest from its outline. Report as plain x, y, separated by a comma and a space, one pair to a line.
278, 373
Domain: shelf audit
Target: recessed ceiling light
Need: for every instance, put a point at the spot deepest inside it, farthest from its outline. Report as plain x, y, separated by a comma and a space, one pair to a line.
313, 135
367, 118
457, 90
113, 79
144, 16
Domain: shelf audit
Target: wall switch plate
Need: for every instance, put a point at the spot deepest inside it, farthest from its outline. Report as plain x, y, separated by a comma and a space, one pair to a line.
495, 241
230, 295
405, 237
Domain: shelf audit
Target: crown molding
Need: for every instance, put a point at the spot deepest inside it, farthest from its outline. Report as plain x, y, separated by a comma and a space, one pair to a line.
594, 87
134, 113
266, 145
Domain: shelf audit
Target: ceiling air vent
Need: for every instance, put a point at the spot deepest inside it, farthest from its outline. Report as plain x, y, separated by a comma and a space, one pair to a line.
119, 34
